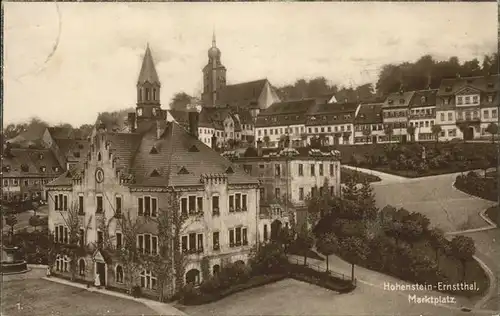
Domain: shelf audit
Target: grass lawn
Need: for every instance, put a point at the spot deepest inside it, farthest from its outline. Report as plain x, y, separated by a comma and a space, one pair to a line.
493, 214
453, 269
40, 297
346, 174
415, 174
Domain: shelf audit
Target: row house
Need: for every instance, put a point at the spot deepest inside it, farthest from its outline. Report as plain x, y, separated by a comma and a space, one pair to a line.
395, 114
368, 124
288, 176
25, 172
466, 106
283, 120
157, 169
422, 114
333, 123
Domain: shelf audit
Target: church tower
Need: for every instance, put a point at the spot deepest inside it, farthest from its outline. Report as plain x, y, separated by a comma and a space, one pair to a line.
148, 90
214, 75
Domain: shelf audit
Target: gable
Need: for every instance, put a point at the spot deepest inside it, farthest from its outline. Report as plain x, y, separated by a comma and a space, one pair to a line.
98, 256
467, 90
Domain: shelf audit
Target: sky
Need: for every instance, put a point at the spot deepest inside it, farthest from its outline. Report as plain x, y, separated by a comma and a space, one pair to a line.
66, 62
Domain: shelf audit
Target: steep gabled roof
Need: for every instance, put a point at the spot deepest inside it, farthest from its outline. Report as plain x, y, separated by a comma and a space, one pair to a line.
26, 163
369, 113
423, 98
285, 113
241, 94
398, 100
332, 113
148, 70
482, 83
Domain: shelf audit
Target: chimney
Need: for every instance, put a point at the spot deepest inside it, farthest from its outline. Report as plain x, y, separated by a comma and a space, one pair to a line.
194, 117
259, 148
131, 122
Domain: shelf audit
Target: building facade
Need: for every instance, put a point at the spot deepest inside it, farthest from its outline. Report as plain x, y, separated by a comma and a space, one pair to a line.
422, 115
395, 113
333, 123
156, 171
368, 124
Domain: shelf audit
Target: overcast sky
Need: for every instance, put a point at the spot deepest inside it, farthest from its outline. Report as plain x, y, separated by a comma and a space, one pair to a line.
66, 62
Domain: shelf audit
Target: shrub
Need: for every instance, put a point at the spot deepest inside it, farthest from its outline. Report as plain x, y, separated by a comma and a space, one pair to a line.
136, 291
270, 258
189, 293
211, 284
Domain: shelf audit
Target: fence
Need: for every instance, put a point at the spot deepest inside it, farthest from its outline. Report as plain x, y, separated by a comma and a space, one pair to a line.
316, 267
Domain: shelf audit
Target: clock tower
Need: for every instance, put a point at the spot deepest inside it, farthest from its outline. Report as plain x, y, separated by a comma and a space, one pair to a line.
148, 90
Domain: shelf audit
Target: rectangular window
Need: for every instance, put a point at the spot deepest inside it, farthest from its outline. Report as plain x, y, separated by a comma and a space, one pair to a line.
215, 240
100, 238
493, 113
321, 191
184, 207
231, 238
184, 243
331, 170
486, 114
301, 169
147, 206
238, 201
450, 116
442, 117
140, 242
277, 170
199, 204
65, 203
313, 191
244, 202
118, 240
244, 236
215, 205
192, 241
147, 243
313, 171
238, 236
56, 202
99, 204
80, 204
56, 234
60, 201
118, 203
140, 205
154, 245
301, 194
277, 193
321, 169
154, 207
81, 237
332, 190
200, 242
192, 204
231, 203
61, 233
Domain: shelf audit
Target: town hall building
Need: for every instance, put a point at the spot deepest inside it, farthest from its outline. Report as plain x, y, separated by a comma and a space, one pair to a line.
130, 181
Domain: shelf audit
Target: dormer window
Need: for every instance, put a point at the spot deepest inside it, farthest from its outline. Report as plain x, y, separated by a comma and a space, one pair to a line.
193, 149
390, 102
401, 101
6, 168
153, 150
423, 99
139, 112
229, 170
40, 156
56, 169
446, 101
24, 168
183, 171
490, 85
448, 89
43, 168
490, 98
155, 173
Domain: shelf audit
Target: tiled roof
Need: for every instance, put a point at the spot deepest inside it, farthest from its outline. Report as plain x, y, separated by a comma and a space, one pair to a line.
26, 162
241, 94
398, 99
148, 70
65, 133
66, 179
333, 113
423, 98
176, 150
73, 149
285, 113
32, 135
483, 84
370, 113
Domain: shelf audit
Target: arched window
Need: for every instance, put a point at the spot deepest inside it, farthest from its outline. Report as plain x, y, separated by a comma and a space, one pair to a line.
119, 274
193, 276
216, 269
148, 94
81, 267
99, 157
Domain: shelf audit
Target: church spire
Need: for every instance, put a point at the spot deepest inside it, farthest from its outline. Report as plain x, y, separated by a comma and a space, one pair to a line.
214, 44
148, 71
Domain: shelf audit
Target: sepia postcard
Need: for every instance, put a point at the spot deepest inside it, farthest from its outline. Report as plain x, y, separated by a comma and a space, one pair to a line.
264, 158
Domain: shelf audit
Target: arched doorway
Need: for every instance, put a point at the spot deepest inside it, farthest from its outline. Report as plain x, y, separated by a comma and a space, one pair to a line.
193, 276
275, 229
469, 133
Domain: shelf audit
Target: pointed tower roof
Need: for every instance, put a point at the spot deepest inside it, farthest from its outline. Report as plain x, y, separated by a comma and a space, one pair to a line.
148, 70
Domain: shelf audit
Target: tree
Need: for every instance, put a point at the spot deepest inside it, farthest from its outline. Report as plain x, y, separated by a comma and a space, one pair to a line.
436, 130
410, 129
327, 245
11, 220
438, 242
286, 237
304, 241
389, 131
268, 258
353, 250
492, 129
463, 248
180, 101
35, 221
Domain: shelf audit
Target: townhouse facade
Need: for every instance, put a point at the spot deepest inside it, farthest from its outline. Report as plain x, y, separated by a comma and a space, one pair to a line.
395, 111
156, 170
466, 106
368, 124
422, 115
288, 176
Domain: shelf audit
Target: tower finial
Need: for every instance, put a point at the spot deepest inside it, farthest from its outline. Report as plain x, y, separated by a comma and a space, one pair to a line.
213, 38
